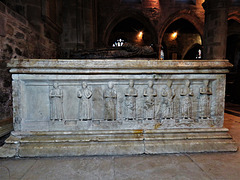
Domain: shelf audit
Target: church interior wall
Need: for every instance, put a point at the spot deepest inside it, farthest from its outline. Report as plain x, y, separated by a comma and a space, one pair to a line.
19, 38
89, 25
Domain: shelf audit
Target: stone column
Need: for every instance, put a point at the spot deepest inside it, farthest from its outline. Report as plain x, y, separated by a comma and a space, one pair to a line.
89, 23
215, 35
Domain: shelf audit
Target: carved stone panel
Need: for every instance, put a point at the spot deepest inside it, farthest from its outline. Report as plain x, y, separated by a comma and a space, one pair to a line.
205, 93
168, 95
82, 102
186, 101
110, 96
130, 102
56, 103
149, 106
85, 107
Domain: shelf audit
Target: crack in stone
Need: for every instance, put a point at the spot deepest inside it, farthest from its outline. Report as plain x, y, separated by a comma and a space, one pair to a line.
28, 169
188, 156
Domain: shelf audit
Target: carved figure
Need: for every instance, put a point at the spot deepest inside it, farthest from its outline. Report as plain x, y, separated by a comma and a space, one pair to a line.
168, 96
56, 101
149, 93
110, 96
131, 94
204, 100
126, 51
186, 103
86, 102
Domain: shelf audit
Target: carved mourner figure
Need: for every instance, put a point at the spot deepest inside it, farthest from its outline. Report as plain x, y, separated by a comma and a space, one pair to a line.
149, 106
131, 94
167, 101
86, 102
186, 102
204, 100
110, 96
56, 101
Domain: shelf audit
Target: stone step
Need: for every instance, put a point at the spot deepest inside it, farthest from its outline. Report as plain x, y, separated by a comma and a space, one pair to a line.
120, 137
124, 142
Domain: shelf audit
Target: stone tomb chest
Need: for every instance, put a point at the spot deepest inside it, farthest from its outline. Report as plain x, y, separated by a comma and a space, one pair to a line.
117, 107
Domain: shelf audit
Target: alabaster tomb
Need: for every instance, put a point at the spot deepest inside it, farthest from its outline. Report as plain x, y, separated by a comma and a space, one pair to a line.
117, 107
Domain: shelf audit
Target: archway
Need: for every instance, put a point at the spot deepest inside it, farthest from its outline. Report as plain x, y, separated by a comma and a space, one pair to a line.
132, 31
133, 22
179, 37
185, 14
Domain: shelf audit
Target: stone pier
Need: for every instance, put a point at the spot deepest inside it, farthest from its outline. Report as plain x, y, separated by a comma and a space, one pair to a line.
117, 107
216, 28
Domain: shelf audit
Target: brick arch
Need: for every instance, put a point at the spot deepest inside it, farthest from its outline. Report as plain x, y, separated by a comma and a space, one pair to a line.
183, 14
122, 15
234, 16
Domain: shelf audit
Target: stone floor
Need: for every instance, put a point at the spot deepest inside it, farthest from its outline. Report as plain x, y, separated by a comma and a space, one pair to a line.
207, 166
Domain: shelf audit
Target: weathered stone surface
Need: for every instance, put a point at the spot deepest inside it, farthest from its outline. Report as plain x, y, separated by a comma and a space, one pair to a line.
120, 142
2, 25
216, 28
19, 35
109, 107
10, 30
10, 40
194, 140
129, 90
119, 66
23, 29
16, 41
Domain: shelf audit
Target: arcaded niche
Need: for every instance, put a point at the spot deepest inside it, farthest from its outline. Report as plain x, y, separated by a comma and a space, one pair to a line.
117, 107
